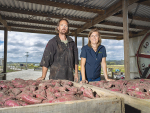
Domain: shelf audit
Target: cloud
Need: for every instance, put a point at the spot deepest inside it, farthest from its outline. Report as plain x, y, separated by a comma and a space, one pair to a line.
19, 43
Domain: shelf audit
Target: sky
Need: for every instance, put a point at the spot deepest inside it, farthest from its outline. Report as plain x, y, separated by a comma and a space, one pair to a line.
19, 43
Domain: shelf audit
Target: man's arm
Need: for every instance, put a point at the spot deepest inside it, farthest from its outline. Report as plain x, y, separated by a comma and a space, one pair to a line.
44, 72
47, 59
76, 78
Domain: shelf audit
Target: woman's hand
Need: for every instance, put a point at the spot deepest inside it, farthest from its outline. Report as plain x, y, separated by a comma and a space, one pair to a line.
110, 79
84, 81
41, 78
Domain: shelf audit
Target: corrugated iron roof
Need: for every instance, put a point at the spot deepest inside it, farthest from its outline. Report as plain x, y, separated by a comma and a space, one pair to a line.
142, 10
75, 16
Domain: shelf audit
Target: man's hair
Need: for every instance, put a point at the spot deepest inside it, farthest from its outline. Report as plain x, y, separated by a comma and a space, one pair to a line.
99, 39
56, 29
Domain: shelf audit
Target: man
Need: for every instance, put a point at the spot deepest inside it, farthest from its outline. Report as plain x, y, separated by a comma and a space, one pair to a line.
61, 55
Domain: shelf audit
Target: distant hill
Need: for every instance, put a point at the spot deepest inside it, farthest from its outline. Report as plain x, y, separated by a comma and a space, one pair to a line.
23, 62
115, 62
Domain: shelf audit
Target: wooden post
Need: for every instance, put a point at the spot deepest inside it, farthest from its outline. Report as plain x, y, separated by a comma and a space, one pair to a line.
82, 41
126, 40
76, 38
5, 52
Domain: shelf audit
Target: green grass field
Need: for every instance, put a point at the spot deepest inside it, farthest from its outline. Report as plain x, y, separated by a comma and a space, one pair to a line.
120, 67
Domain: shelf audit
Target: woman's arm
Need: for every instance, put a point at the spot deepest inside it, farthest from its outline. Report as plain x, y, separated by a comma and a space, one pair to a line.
83, 61
104, 66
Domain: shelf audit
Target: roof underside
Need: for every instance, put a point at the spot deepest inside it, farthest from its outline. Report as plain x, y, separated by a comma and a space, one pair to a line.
41, 16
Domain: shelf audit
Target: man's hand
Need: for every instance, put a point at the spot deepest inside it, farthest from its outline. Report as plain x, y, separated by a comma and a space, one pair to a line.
76, 78
41, 78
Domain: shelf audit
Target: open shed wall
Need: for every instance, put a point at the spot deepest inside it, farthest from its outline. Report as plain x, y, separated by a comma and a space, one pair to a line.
134, 45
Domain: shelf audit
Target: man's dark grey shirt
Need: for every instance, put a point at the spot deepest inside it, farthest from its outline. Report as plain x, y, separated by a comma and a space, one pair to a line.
60, 58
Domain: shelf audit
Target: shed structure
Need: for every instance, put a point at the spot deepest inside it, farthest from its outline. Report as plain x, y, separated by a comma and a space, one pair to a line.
115, 19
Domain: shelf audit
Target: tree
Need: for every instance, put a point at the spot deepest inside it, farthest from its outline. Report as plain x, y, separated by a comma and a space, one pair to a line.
112, 63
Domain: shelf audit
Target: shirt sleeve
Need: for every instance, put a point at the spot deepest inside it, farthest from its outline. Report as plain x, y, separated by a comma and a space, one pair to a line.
48, 55
104, 52
76, 54
83, 53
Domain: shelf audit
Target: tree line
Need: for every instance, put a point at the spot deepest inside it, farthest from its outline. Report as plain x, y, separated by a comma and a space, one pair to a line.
115, 62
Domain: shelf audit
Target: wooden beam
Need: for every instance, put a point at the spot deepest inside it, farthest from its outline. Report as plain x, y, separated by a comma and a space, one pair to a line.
107, 29
64, 5
112, 34
114, 38
5, 50
4, 23
110, 11
133, 35
76, 38
82, 41
146, 2
130, 16
54, 24
53, 33
141, 33
121, 25
36, 21
103, 37
33, 27
42, 14
112, 30
126, 40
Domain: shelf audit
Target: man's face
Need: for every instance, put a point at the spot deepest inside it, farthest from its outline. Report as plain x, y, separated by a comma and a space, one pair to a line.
63, 27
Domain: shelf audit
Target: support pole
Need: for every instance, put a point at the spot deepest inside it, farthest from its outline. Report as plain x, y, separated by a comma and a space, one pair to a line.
126, 40
76, 38
82, 41
5, 53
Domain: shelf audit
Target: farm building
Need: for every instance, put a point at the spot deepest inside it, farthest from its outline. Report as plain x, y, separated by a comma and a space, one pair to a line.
127, 20
1, 61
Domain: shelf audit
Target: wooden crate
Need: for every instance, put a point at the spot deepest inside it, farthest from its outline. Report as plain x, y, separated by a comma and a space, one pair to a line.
108, 103
143, 105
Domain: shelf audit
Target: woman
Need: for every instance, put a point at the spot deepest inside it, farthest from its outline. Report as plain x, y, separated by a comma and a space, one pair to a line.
93, 56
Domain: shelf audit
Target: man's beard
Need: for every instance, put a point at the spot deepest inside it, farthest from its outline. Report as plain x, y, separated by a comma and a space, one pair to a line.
63, 33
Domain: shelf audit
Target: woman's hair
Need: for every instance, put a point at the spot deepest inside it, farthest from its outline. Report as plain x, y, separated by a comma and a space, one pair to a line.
99, 38
56, 29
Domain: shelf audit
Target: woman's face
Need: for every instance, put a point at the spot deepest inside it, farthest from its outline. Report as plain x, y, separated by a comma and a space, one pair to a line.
94, 38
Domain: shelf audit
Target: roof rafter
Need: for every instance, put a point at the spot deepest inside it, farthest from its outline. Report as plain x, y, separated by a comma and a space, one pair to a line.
64, 5
147, 3
130, 16
110, 11
54, 24
34, 27
45, 32
112, 34
121, 25
4, 23
111, 30
42, 14
131, 35
36, 21
138, 34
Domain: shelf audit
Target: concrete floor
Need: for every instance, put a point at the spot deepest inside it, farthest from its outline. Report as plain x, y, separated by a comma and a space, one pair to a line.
26, 74
31, 74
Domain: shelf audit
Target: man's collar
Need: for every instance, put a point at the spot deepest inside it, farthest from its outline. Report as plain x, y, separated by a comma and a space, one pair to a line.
68, 38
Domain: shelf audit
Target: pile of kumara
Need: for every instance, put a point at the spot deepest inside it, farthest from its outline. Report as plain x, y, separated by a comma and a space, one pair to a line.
137, 88
19, 92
